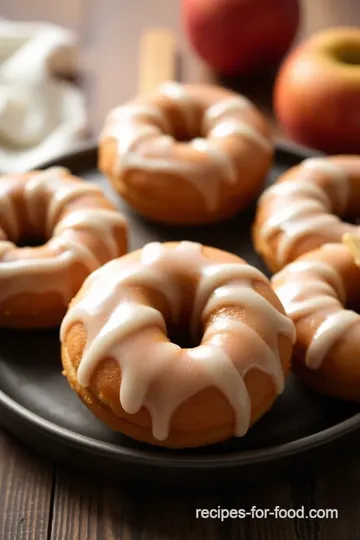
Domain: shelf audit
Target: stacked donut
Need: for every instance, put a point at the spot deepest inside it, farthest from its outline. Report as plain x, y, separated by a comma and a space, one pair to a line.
299, 232
184, 155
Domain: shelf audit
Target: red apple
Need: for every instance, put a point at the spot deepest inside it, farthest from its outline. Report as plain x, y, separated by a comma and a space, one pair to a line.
240, 36
317, 92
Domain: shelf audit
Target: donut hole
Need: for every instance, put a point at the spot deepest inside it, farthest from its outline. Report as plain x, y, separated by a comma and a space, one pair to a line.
29, 231
352, 220
182, 337
179, 330
188, 138
353, 303
183, 124
31, 241
183, 134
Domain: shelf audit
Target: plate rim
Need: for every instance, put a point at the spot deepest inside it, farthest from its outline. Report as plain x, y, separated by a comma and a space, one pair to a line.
167, 458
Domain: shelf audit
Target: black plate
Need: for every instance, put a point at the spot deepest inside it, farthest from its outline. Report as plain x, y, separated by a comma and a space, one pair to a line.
38, 406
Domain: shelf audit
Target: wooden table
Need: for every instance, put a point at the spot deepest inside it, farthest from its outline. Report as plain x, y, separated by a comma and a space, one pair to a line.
40, 500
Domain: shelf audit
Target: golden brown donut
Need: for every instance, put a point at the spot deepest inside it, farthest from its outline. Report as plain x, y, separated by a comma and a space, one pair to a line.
187, 154
118, 356
302, 210
315, 291
82, 230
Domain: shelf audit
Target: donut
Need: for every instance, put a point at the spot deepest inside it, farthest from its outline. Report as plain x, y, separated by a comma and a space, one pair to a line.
119, 357
302, 210
187, 154
315, 290
81, 229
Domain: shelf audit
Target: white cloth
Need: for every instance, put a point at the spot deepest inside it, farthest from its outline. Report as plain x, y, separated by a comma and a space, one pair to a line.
41, 116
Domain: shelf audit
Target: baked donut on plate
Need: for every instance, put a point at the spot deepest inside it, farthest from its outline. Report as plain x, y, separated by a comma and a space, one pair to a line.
315, 290
82, 231
188, 154
119, 359
300, 212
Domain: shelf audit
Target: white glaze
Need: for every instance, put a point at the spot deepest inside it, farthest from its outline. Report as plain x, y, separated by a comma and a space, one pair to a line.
157, 374
21, 275
226, 107
309, 288
297, 189
63, 196
298, 224
327, 334
160, 153
48, 192
213, 276
101, 223
305, 206
34, 191
128, 136
40, 275
139, 112
229, 128
208, 185
178, 93
255, 346
60, 193
77, 250
224, 165
338, 177
223, 119
6, 246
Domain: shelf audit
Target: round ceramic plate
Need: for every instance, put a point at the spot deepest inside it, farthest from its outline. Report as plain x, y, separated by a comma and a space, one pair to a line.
37, 405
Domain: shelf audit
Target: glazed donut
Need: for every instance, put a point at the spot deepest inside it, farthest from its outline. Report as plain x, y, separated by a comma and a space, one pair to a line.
83, 230
118, 358
314, 291
188, 154
300, 211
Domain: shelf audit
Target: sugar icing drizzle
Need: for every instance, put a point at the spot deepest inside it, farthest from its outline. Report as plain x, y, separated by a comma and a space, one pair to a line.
50, 191
158, 374
305, 206
308, 288
179, 95
207, 163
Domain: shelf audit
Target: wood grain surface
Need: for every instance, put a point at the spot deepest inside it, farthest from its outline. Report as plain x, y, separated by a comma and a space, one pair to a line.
26, 483
43, 501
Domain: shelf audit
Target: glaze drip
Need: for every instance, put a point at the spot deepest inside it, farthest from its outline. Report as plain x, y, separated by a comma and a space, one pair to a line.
102, 226
158, 374
312, 288
224, 108
304, 206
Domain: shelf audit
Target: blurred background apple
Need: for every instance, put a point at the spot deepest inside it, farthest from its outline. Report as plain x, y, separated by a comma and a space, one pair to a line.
240, 36
317, 91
